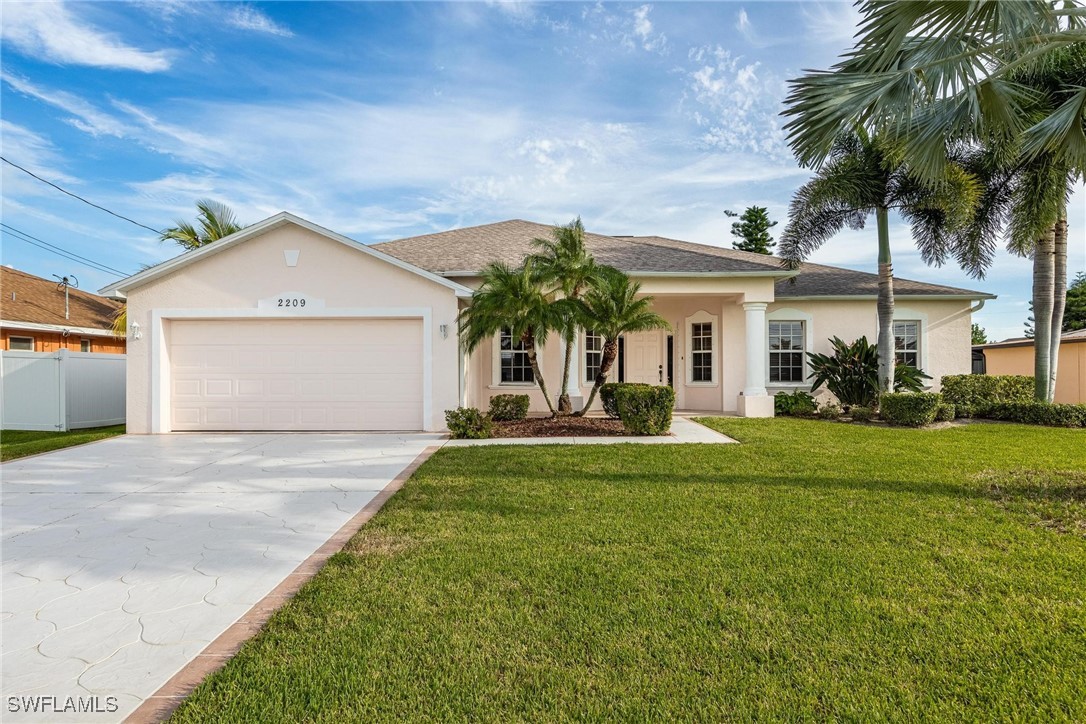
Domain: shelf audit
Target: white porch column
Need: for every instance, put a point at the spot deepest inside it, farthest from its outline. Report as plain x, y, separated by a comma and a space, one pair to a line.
573, 388
755, 400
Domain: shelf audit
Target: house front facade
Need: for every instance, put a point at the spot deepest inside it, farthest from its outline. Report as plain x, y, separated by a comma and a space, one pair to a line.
37, 316
289, 326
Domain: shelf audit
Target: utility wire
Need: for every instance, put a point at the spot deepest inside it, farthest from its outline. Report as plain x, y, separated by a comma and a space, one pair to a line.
60, 251
77, 196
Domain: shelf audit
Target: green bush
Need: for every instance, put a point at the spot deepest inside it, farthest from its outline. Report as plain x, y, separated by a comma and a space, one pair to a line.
645, 409
911, 409
945, 412
852, 373
962, 410
829, 411
507, 408
794, 404
468, 423
976, 390
607, 395
862, 414
1037, 413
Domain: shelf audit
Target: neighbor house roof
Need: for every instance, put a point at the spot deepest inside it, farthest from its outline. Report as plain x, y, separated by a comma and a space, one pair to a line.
1077, 336
30, 300
464, 252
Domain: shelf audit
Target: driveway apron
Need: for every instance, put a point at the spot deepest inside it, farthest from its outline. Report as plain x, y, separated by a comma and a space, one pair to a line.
123, 559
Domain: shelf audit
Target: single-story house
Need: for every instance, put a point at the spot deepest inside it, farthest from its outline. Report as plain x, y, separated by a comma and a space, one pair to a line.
286, 325
35, 317
1015, 357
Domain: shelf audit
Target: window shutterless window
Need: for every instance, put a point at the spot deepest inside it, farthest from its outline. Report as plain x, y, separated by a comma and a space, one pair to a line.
515, 367
25, 344
907, 343
786, 352
593, 355
701, 352
84, 345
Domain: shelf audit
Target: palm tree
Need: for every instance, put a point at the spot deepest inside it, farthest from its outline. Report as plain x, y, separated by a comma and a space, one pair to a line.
611, 308
513, 299
214, 220
563, 260
865, 176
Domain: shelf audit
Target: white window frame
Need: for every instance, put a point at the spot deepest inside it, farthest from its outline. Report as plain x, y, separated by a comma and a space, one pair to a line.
703, 317
905, 314
586, 378
12, 337
791, 314
496, 366
84, 342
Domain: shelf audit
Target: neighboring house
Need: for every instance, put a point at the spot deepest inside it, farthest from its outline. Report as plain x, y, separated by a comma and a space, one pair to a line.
288, 326
33, 319
1015, 357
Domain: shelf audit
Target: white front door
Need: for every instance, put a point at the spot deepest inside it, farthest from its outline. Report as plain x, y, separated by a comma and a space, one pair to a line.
643, 358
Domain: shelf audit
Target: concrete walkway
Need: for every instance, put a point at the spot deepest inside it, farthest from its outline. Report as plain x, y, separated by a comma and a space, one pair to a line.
123, 559
682, 431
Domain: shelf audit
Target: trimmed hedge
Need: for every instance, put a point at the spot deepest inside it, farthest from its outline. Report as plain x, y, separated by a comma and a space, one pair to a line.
468, 423
945, 412
794, 404
507, 408
1036, 413
861, 414
829, 411
977, 390
607, 395
645, 409
911, 409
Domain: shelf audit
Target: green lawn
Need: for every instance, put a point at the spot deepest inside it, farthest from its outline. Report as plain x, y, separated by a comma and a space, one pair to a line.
819, 570
20, 443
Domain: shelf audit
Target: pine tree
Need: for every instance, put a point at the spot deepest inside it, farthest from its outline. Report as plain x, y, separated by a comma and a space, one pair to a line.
752, 230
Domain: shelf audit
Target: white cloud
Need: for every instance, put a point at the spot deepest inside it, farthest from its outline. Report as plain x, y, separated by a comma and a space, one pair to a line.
33, 152
831, 23
51, 32
246, 17
643, 30
84, 115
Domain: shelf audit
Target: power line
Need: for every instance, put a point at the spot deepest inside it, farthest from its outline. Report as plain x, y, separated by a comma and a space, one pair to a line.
77, 196
60, 251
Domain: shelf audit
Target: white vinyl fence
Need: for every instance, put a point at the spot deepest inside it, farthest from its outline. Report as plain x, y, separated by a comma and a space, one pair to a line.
61, 390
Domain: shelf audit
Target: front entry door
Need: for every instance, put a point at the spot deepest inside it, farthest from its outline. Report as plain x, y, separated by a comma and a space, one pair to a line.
643, 358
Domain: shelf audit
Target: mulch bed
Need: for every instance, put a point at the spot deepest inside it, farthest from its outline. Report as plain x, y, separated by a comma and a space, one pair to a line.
564, 426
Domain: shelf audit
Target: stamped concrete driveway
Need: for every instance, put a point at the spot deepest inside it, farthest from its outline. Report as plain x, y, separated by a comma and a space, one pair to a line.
123, 559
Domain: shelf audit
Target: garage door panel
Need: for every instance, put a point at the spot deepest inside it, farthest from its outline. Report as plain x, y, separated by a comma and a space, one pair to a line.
296, 375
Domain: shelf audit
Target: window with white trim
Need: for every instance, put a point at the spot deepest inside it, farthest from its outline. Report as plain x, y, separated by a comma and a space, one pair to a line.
593, 355
513, 360
907, 343
84, 345
25, 344
701, 351
786, 348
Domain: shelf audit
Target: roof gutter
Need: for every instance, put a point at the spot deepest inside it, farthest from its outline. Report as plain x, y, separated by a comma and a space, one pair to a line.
60, 328
782, 274
916, 297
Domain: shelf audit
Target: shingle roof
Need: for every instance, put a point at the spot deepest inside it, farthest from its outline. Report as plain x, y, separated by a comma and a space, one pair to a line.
39, 301
470, 249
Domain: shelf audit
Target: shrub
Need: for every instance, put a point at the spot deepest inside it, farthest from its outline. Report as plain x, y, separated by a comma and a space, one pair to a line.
607, 395
862, 414
468, 423
945, 412
506, 408
645, 409
975, 390
829, 411
912, 409
962, 410
1037, 413
794, 404
852, 373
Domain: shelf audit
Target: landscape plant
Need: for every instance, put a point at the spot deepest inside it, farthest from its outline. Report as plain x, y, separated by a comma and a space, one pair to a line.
508, 408
645, 409
910, 409
851, 373
468, 423
794, 404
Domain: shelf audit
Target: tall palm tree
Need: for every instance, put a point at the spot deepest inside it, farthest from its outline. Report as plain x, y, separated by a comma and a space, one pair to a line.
214, 220
513, 299
864, 176
564, 261
611, 308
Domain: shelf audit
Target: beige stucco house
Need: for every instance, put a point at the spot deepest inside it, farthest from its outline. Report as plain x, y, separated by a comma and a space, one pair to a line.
289, 326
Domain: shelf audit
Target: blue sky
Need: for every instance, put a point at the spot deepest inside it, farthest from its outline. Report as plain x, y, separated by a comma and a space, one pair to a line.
384, 120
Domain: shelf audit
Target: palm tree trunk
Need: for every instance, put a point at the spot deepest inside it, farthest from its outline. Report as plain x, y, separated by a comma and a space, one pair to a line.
533, 359
1059, 299
1043, 292
564, 405
885, 304
610, 351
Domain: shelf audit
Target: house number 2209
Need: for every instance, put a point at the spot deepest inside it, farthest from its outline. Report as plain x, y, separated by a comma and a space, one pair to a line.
291, 302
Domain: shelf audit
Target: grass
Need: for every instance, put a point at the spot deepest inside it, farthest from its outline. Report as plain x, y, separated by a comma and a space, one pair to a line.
818, 571
20, 443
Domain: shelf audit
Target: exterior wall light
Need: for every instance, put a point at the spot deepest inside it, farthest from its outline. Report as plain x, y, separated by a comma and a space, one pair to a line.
137, 333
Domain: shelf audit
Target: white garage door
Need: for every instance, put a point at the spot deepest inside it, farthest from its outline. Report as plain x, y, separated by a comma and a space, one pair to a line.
296, 374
